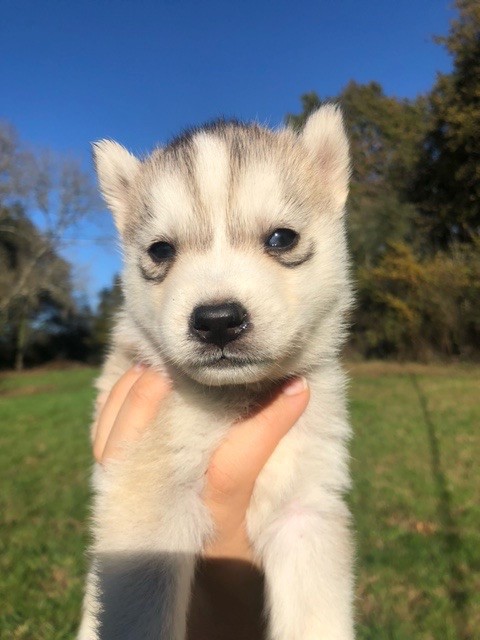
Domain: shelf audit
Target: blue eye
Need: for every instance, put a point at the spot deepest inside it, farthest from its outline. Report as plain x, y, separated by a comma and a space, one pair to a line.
161, 251
282, 239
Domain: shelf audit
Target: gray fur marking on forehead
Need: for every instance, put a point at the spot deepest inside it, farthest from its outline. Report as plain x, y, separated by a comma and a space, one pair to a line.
185, 156
238, 136
220, 127
246, 146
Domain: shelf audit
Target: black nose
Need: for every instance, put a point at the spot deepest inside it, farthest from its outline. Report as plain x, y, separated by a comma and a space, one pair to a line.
219, 323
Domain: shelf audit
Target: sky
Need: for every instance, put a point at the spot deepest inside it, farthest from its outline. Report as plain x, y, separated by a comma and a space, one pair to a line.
139, 71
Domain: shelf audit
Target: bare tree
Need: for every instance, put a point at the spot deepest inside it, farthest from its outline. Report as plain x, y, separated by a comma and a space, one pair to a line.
43, 200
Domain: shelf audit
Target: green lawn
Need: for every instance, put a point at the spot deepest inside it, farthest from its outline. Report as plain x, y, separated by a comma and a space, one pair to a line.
416, 501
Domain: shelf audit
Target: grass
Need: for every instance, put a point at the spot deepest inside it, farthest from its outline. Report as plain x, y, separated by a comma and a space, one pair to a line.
416, 501
44, 468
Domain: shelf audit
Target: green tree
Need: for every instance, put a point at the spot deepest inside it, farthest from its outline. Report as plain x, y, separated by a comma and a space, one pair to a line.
447, 187
310, 103
110, 301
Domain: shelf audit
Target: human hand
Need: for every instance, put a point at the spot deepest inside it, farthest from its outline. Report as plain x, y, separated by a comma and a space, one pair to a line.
132, 405
125, 413
227, 588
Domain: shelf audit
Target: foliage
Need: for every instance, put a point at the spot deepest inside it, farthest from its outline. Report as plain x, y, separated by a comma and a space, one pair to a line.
385, 134
42, 200
447, 182
110, 300
414, 308
41, 279
310, 102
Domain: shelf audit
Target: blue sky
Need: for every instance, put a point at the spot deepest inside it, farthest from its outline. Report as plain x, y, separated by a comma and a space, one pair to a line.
139, 71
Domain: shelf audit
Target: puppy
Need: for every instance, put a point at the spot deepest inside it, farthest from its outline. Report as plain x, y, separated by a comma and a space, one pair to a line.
236, 279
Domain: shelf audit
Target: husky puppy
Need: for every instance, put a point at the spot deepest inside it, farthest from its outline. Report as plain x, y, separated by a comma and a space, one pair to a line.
236, 279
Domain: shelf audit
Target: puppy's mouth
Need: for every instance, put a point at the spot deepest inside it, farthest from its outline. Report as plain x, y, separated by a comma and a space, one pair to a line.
226, 361
222, 366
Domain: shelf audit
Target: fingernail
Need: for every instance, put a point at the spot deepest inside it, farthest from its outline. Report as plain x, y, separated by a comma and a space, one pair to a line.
295, 386
140, 366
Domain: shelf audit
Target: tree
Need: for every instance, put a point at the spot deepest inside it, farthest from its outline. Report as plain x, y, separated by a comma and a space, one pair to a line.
47, 289
447, 186
110, 301
43, 198
414, 206
56, 192
310, 103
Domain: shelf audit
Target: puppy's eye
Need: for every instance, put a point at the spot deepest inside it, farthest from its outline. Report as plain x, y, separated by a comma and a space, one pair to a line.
282, 239
161, 251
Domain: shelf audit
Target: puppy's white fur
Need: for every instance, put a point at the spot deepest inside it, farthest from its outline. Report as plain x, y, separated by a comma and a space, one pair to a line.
216, 194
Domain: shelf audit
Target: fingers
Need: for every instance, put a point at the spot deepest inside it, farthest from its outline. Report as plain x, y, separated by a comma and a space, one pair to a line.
240, 458
108, 407
130, 407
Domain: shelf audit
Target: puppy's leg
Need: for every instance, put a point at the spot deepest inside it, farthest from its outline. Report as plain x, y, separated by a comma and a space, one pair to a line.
307, 556
90, 610
142, 597
137, 595
143, 563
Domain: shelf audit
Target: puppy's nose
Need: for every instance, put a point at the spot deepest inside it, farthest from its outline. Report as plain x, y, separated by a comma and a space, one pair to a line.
219, 323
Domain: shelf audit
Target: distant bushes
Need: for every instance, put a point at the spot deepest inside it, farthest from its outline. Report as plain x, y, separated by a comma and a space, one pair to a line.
415, 308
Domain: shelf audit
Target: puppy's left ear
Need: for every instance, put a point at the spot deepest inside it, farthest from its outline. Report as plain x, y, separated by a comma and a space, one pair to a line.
325, 138
116, 169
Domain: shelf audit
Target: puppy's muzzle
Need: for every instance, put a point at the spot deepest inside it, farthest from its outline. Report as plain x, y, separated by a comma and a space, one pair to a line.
219, 324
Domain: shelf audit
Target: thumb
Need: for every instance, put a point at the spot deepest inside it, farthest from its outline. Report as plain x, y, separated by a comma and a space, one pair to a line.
235, 465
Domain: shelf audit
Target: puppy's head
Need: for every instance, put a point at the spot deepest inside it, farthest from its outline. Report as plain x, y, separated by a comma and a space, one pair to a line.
235, 264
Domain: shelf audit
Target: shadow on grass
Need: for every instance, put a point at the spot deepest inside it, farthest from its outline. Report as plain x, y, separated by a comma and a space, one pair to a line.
452, 543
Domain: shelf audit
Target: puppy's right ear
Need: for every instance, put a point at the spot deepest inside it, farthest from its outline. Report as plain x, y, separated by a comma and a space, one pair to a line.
116, 169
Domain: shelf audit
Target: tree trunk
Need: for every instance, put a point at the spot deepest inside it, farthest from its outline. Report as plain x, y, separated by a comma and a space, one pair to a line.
21, 343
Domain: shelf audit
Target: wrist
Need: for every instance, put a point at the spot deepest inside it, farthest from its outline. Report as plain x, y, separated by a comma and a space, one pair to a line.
227, 601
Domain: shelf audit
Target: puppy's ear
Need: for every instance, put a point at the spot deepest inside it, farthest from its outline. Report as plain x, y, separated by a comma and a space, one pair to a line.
116, 169
325, 138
